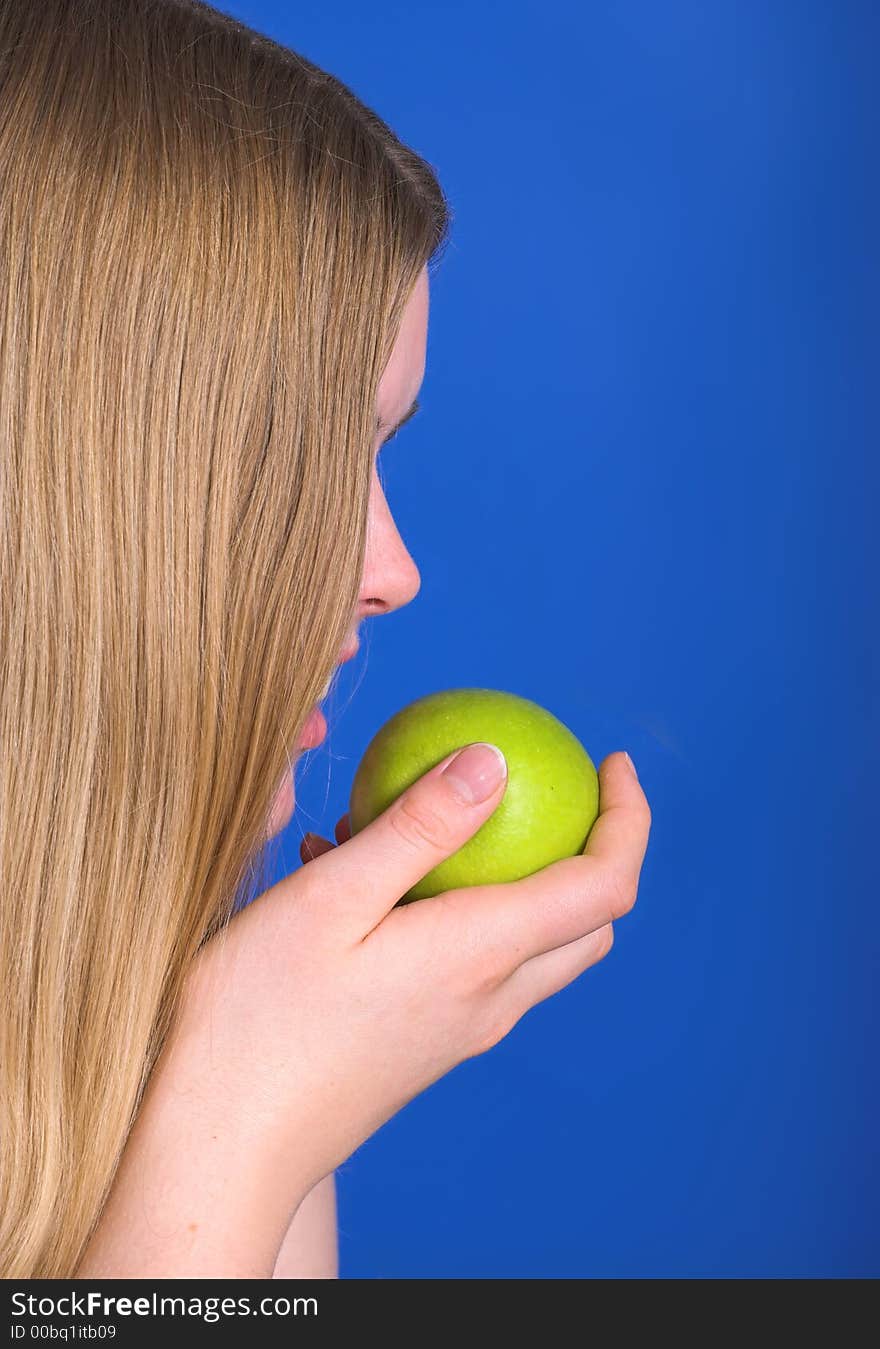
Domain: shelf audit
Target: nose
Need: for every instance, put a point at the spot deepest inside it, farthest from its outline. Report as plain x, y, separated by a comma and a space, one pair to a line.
391, 578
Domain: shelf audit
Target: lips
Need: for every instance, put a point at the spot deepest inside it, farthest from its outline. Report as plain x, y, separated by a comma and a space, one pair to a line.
315, 728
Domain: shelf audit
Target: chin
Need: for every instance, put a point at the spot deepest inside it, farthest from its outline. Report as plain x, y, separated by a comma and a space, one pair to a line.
282, 809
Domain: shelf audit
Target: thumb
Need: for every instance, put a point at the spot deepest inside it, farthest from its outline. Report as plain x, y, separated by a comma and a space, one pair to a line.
364, 878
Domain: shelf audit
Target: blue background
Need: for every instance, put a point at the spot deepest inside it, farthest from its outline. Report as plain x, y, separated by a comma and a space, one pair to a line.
641, 493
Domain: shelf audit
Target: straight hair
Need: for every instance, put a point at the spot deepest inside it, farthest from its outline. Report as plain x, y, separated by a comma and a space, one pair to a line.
206, 246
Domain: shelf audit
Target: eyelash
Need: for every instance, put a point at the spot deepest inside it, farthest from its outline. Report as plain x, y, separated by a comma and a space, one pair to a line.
396, 432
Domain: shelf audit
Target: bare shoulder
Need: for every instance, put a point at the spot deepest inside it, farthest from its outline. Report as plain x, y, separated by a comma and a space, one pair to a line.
310, 1249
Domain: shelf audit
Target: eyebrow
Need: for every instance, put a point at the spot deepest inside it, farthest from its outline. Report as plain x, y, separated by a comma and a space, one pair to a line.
416, 405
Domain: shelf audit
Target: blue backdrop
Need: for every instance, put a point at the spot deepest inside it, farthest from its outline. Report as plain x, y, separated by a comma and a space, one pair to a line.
640, 492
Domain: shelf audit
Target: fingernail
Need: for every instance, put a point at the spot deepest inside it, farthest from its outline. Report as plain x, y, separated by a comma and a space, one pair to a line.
632, 766
476, 772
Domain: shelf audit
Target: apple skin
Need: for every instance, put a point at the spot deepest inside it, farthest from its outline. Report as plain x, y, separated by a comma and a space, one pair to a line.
548, 808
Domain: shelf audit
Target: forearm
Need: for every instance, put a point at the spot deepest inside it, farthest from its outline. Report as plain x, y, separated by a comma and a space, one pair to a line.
197, 1193
310, 1247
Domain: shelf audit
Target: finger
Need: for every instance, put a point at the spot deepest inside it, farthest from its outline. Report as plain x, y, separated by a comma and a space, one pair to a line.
362, 880
517, 920
544, 975
313, 846
343, 829
620, 834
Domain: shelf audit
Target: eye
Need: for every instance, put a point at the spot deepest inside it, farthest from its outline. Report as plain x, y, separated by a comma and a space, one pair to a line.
386, 441
403, 421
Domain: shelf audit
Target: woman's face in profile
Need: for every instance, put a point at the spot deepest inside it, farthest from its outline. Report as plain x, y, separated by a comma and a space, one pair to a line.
391, 577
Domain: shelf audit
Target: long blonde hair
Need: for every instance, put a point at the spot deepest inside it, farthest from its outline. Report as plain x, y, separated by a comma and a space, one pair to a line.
206, 245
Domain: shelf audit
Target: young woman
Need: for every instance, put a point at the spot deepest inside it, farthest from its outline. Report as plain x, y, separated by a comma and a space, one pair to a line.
215, 272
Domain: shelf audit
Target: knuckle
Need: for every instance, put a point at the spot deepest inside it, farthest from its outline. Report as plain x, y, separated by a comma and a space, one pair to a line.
418, 823
490, 1032
493, 967
605, 941
622, 894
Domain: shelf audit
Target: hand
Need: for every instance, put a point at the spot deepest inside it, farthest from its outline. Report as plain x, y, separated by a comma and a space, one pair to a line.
327, 1008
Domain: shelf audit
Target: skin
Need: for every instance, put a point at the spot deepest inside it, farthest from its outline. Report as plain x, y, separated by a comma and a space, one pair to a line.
262, 1090
390, 580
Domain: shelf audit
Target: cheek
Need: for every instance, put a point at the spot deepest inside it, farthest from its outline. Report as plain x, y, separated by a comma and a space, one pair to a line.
284, 802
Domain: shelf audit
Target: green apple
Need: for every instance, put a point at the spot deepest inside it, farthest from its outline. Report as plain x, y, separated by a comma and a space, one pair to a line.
548, 808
